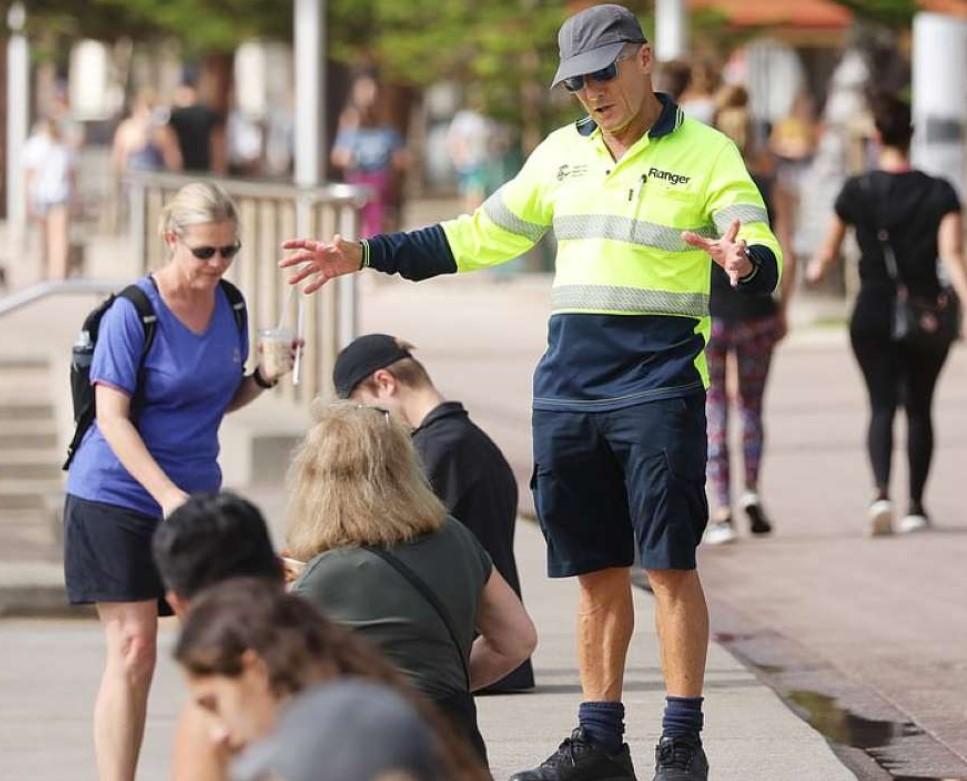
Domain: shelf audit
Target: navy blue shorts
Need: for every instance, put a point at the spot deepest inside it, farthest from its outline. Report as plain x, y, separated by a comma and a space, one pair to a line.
604, 481
107, 554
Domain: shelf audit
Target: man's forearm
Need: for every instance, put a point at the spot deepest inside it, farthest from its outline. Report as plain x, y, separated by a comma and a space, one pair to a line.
416, 255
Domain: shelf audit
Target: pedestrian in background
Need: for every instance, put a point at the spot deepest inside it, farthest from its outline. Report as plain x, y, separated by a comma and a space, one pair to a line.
372, 153
469, 147
904, 220
144, 141
50, 168
199, 130
745, 331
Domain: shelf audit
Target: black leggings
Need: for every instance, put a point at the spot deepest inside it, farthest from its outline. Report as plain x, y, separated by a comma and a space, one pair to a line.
896, 374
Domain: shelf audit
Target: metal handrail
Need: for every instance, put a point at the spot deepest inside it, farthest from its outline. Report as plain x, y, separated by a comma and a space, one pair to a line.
334, 192
22, 298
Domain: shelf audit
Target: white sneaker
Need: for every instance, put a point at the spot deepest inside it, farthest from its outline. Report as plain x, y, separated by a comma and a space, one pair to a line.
719, 533
913, 523
880, 517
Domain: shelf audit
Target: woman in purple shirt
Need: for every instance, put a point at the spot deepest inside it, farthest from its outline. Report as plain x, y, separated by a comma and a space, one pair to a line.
132, 470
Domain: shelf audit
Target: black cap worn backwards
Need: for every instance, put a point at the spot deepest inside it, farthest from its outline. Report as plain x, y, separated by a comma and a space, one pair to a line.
361, 358
592, 39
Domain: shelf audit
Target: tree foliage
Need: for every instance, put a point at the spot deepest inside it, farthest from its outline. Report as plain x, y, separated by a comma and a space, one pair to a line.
202, 26
893, 13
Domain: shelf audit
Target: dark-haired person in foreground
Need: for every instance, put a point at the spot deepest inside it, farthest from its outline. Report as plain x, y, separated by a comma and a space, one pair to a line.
915, 218
465, 467
248, 649
209, 539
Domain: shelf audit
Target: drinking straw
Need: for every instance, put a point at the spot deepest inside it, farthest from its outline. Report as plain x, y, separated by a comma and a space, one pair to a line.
300, 324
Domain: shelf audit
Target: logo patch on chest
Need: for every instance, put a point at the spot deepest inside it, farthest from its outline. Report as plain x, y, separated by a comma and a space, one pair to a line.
573, 171
668, 176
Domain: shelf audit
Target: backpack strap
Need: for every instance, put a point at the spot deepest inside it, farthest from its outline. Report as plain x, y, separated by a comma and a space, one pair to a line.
237, 302
879, 196
149, 320
146, 314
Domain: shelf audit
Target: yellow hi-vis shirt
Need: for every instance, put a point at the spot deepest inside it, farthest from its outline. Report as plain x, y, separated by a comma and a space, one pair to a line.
630, 299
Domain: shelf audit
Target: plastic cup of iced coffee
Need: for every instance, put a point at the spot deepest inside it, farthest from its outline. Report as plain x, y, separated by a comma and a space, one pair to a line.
276, 350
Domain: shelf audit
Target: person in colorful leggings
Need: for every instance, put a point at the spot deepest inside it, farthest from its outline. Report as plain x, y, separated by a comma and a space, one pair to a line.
748, 328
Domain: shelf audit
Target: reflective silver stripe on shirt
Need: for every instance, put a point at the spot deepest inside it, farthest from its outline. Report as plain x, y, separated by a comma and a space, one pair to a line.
743, 212
608, 226
498, 212
629, 299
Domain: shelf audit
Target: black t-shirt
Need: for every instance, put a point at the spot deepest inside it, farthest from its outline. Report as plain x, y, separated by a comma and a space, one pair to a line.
727, 303
193, 126
473, 479
910, 205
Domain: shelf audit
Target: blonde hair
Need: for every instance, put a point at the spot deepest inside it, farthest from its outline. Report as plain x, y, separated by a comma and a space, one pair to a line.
356, 480
732, 116
196, 204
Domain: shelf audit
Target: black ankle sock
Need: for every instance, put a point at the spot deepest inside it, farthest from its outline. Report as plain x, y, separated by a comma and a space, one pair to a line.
683, 717
604, 723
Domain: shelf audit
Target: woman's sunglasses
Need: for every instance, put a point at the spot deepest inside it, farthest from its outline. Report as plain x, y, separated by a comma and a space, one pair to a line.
576, 83
207, 252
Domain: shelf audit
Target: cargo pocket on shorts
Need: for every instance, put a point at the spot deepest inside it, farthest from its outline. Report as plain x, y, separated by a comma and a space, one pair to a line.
686, 488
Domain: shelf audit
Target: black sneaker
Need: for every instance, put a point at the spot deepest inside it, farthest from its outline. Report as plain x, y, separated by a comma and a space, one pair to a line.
758, 521
578, 759
680, 759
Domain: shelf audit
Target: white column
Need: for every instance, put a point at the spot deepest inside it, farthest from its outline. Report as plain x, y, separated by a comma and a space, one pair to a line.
671, 30
940, 97
18, 116
310, 107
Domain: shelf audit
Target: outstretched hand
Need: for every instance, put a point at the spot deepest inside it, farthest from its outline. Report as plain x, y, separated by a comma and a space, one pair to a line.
321, 260
730, 254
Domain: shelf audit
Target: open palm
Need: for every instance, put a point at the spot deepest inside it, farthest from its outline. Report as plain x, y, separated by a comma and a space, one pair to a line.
321, 260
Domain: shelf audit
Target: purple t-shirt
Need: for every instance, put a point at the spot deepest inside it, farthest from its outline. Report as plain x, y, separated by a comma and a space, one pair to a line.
189, 380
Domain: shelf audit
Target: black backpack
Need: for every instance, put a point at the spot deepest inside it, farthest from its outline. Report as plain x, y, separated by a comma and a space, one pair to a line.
82, 353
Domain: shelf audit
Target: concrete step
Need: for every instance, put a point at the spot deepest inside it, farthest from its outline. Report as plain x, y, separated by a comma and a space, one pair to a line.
25, 408
28, 434
23, 363
30, 463
27, 494
39, 378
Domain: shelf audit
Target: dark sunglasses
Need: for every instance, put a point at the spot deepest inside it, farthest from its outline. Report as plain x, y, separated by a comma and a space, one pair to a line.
207, 253
576, 83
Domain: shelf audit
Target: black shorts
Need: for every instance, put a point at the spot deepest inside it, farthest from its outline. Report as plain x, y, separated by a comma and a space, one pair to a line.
606, 480
107, 555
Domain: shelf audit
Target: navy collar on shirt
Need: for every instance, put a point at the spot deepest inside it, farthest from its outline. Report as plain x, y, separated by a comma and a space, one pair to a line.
668, 120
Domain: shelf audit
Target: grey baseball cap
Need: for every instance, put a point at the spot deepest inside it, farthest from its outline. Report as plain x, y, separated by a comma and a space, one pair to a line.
350, 730
592, 39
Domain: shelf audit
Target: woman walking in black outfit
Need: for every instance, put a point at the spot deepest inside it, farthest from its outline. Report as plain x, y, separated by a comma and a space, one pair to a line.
904, 220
